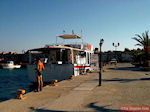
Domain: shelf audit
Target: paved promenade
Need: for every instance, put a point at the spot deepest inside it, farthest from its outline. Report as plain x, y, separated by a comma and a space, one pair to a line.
124, 85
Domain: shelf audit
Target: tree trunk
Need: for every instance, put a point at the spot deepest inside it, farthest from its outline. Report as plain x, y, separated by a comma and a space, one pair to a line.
147, 54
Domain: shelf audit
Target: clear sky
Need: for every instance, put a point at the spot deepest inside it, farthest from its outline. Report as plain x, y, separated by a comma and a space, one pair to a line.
26, 24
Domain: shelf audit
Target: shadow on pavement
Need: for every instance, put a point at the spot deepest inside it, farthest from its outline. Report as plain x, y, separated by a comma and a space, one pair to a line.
145, 79
125, 68
101, 109
125, 80
33, 86
91, 105
43, 110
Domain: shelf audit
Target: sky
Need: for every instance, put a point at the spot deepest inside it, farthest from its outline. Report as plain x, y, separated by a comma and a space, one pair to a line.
28, 24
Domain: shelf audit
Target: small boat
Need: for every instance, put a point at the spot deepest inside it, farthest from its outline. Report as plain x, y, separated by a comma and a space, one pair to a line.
10, 65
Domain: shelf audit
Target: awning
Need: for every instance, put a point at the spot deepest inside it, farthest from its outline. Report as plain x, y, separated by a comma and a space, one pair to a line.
69, 36
53, 47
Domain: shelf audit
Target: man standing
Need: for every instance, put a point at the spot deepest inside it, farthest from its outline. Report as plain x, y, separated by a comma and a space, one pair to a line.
40, 67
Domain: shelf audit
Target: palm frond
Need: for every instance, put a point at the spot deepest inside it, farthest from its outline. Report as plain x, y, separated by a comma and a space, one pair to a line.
143, 40
138, 40
139, 37
146, 36
138, 44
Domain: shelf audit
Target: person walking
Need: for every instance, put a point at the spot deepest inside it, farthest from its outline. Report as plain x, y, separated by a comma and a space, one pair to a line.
40, 67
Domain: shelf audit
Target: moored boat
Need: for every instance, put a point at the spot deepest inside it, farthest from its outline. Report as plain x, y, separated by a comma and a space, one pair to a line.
60, 61
10, 65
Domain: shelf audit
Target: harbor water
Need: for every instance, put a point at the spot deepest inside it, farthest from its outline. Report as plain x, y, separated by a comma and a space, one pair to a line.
11, 80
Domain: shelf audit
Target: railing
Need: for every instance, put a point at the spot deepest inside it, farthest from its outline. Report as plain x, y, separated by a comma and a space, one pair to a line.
66, 43
79, 45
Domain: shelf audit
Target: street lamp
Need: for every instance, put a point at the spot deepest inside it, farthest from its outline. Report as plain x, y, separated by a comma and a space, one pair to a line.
100, 60
116, 45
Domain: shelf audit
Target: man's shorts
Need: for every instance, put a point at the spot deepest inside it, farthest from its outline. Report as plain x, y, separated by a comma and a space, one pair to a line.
39, 73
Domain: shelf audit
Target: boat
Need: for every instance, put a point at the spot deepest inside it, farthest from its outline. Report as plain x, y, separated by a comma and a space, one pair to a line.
10, 65
60, 60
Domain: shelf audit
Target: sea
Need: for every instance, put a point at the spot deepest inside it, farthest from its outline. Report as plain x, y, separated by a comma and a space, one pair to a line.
11, 80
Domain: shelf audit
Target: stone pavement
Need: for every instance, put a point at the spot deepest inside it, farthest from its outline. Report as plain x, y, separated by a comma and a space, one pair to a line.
124, 85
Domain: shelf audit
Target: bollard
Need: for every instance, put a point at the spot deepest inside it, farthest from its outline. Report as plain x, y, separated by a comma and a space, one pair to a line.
53, 82
71, 77
20, 93
84, 72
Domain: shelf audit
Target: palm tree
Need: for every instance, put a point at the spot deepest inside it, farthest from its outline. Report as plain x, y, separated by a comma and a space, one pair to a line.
143, 40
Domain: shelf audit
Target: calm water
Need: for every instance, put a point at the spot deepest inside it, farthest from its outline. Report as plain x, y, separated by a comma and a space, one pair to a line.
11, 80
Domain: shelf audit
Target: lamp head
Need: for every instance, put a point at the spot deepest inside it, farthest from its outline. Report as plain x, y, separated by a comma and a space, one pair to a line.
101, 42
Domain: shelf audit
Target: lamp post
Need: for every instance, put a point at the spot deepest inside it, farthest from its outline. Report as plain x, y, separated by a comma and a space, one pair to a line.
115, 45
100, 60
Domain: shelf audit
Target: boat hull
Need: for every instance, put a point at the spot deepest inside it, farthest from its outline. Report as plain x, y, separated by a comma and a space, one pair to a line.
52, 71
7, 66
17, 66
